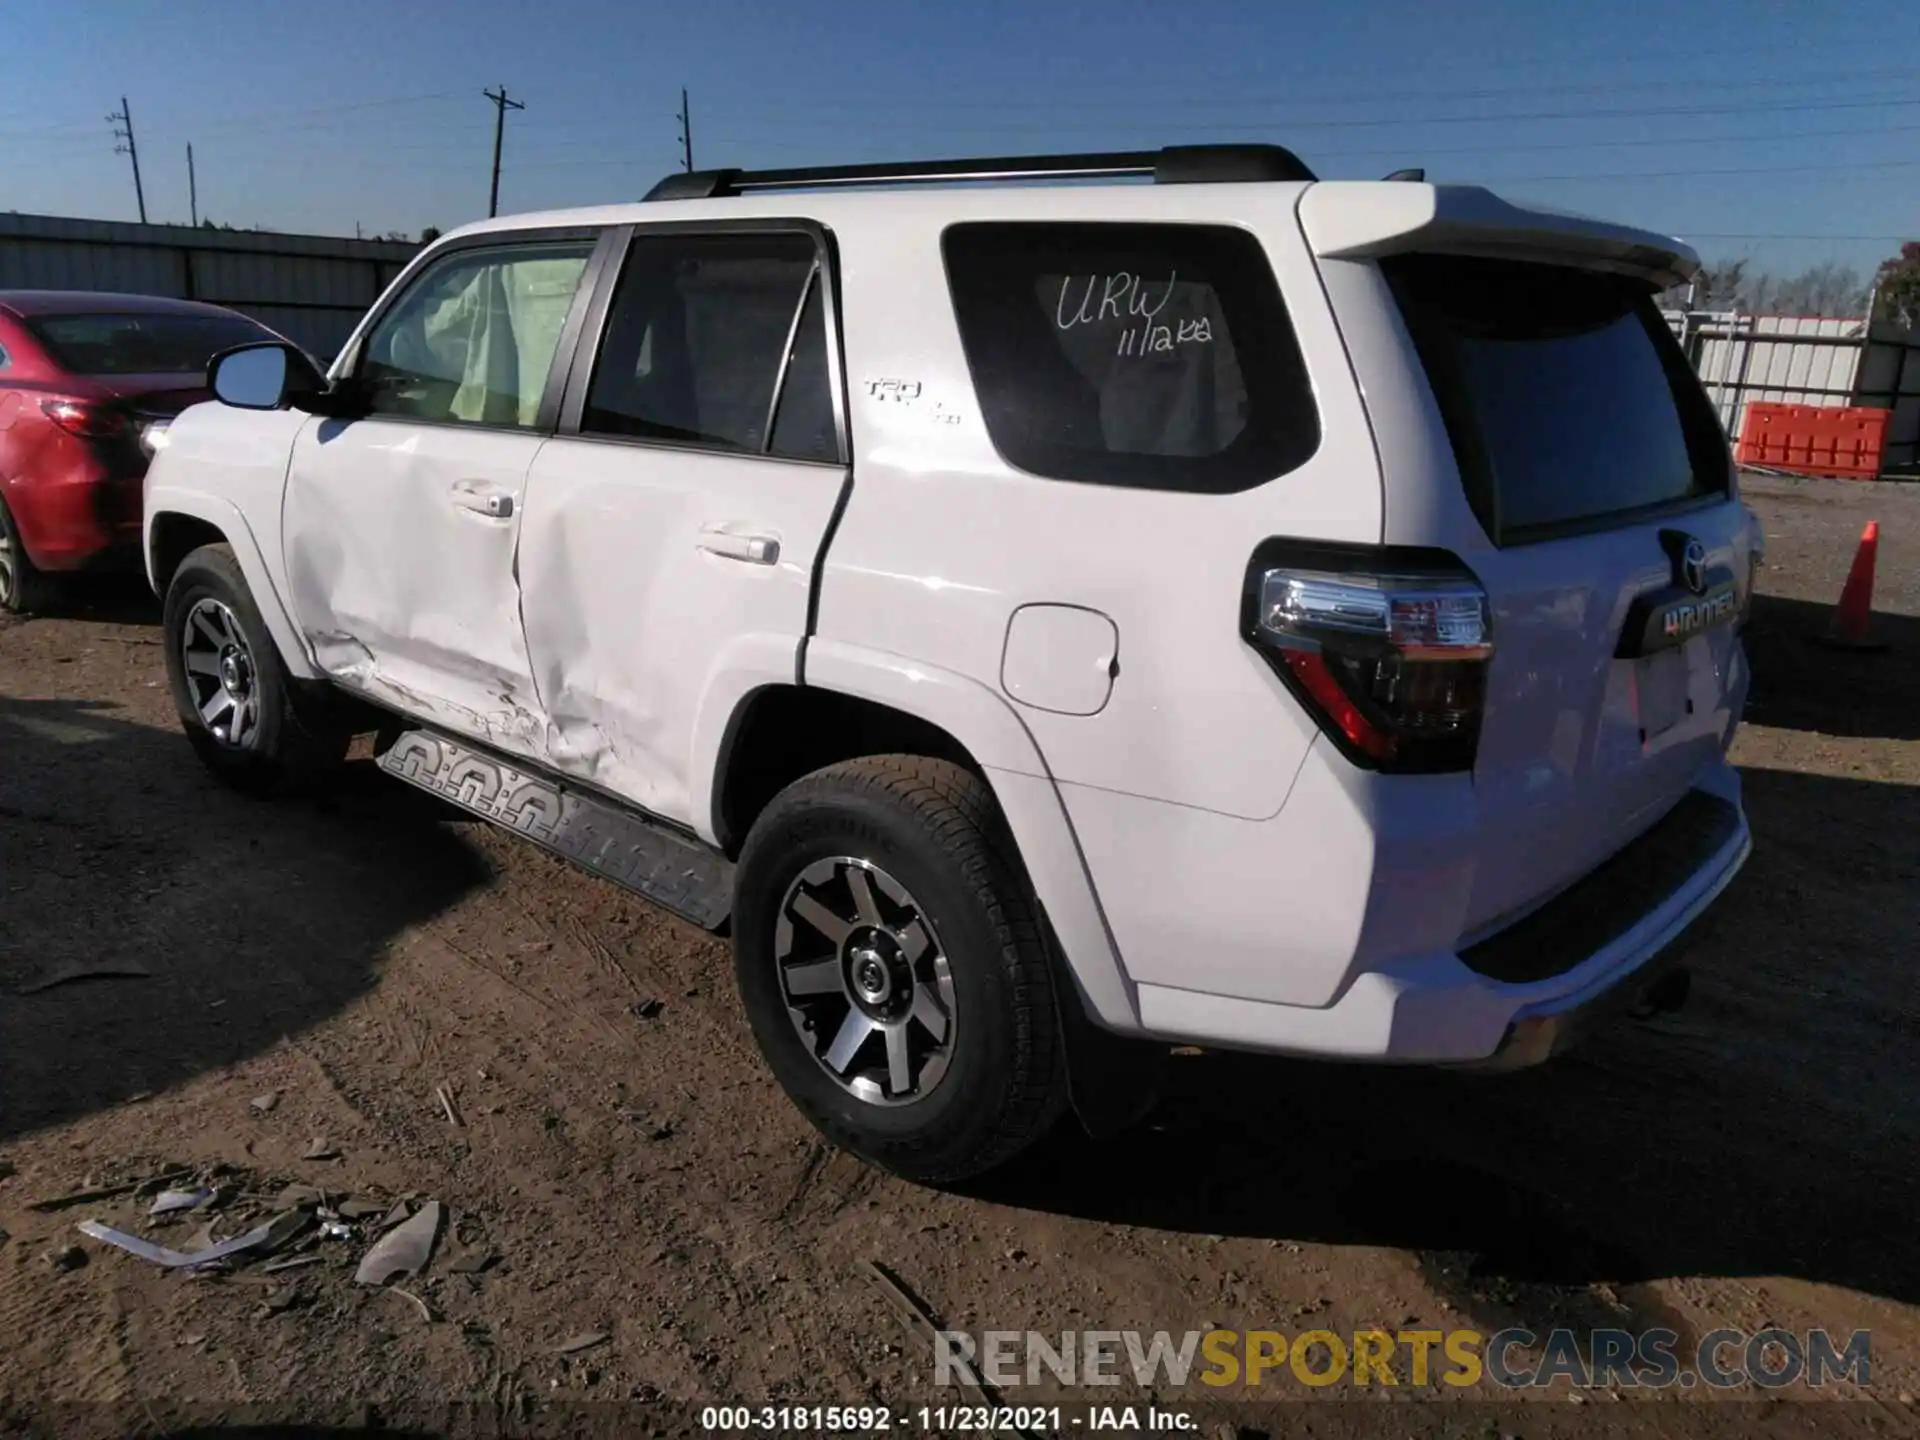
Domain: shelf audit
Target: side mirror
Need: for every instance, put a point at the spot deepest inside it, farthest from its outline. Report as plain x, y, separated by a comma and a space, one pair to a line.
252, 377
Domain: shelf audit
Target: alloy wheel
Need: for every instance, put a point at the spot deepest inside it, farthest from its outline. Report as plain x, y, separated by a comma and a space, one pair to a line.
865, 981
221, 677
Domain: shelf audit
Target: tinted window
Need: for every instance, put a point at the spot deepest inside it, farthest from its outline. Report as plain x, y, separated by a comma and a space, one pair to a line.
1151, 355
135, 344
697, 343
473, 338
1566, 397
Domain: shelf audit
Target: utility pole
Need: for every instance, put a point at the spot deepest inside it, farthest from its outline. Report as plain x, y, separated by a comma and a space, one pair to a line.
122, 122
686, 132
501, 104
193, 191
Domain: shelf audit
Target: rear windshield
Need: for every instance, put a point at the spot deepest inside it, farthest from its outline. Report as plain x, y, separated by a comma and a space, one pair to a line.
1569, 404
1146, 355
135, 344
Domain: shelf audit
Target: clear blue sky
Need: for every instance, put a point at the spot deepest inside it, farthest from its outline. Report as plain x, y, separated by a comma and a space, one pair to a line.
1729, 123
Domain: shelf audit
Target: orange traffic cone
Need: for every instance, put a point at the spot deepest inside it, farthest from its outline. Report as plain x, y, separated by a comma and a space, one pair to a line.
1849, 628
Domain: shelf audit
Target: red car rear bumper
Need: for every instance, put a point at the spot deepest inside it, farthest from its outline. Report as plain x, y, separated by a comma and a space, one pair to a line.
86, 518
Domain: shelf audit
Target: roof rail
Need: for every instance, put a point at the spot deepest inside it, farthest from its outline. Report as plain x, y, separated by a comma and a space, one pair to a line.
1413, 174
1174, 165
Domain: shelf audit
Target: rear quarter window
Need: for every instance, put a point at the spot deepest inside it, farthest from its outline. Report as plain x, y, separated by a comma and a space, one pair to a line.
1155, 356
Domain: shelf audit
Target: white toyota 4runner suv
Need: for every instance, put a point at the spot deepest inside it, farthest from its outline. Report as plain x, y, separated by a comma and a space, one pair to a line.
1043, 623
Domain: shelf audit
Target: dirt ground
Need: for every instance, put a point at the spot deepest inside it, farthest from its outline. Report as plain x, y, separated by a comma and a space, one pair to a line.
634, 1174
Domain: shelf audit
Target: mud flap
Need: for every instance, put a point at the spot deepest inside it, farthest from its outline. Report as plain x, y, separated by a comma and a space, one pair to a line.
1113, 1081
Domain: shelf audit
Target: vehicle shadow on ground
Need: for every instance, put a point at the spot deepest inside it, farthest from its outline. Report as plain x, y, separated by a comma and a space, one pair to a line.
253, 920
106, 599
1771, 1128
1801, 684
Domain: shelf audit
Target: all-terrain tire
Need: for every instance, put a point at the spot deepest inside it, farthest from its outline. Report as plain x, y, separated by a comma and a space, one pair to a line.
25, 589
930, 831
286, 742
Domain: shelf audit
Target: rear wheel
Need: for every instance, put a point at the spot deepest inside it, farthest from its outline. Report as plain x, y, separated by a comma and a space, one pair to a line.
893, 967
236, 701
24, 587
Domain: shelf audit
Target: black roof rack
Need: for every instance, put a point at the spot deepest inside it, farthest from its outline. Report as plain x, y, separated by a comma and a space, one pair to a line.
1174, 165
1413, 174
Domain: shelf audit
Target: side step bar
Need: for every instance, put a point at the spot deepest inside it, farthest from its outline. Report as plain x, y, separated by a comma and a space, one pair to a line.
630, 849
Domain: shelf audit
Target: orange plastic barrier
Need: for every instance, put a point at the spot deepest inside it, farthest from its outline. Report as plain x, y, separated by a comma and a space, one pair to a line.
1843, 441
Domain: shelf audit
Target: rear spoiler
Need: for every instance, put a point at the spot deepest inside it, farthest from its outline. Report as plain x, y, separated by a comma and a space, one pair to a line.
1369, 219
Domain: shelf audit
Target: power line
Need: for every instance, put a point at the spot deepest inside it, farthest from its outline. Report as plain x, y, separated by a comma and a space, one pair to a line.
122, 122
1699, 174
1223, 129
1826, 79
501, 104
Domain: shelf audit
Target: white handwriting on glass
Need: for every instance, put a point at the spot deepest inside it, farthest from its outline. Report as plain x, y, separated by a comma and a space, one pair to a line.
1121, 297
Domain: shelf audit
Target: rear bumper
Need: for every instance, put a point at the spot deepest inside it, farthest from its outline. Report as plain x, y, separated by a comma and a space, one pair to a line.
1435, 1010
84, 521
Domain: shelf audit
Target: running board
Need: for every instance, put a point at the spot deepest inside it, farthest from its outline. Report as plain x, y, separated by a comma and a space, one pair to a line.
615, 843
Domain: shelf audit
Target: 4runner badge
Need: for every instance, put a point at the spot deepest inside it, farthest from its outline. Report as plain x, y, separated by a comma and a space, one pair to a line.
1697, 598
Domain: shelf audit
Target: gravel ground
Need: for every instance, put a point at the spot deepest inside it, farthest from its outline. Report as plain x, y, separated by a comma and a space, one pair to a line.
623, 1174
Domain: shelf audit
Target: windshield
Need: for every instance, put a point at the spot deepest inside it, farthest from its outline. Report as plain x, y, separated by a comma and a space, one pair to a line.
1567, 400
135, 344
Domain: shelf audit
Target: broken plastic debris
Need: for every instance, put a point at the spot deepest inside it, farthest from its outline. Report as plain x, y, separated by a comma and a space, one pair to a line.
87, 970
399, 1212
176, 1259
585, 1342
403, 1250
295, 1196
320, 1150
169, 1202
335, 1230
264, 1104
361, 1209
111, 1192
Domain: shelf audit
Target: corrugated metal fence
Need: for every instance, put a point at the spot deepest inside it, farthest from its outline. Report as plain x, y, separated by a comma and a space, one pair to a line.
1804, 360
311, 288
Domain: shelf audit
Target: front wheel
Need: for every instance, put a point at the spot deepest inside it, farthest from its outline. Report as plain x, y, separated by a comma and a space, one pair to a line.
235, 698
894, 969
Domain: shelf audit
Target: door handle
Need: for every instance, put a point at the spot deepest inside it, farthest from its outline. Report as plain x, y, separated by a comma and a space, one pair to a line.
483, 500
754, 549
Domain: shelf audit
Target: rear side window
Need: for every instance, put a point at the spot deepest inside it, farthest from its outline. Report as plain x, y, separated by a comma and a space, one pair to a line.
1158, 356
718, 341
1568, 402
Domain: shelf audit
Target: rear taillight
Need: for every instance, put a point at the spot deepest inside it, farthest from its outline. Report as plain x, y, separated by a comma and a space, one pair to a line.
1391, 660
85, 419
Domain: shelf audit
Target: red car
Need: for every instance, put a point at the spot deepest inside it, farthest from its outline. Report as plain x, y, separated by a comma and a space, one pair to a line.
87, 381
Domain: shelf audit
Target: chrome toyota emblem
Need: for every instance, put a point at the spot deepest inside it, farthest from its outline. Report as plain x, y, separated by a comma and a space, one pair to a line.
1693, 567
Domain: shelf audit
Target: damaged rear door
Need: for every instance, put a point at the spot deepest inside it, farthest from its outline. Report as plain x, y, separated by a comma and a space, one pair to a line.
401, 525
674, 521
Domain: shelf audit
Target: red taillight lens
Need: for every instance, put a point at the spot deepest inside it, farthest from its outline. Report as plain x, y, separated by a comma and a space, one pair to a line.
1392, 665
85, 419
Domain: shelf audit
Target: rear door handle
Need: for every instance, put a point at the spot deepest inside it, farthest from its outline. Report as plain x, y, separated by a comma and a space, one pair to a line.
483, 499
754, 549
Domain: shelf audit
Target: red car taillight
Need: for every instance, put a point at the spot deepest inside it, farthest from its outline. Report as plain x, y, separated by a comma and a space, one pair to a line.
85, 419
1391, 660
